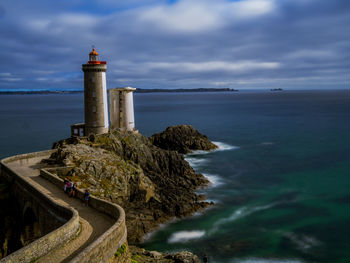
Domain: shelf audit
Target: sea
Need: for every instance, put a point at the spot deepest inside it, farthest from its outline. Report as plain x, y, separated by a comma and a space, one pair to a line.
280, 179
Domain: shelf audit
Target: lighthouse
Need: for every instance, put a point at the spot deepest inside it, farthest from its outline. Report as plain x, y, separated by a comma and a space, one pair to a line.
121, 107
121, 103
95, 95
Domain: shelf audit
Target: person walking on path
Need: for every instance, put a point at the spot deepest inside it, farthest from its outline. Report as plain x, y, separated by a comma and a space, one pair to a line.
65, 185
86, 197
74, 188
69, 185
205, 259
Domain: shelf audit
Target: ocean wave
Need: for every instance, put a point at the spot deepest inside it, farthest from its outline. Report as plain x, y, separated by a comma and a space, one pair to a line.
214, 179
221, 147
239, 213
198, 152
215, 201
196, 162
160, 227
184, 236
224, 146
302, 242
261, 260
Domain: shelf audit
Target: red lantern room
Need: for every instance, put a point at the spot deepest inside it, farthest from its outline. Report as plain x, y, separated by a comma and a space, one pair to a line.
93, 58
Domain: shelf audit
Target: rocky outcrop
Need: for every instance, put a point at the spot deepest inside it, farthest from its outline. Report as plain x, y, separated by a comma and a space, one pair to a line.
183, 257
183, 139
151, 184
105, 174
145, 256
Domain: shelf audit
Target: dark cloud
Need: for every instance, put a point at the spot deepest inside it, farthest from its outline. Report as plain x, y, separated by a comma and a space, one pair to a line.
187, 43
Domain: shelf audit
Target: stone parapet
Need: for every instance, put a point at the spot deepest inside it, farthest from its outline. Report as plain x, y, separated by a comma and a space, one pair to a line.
53, 239
105, 248
110, 247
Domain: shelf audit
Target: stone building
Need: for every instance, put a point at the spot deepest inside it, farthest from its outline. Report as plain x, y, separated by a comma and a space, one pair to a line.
96, 105
121, 108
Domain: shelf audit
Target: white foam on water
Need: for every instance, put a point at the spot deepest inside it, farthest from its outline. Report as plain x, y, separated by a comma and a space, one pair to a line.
214, 179
184, 236
302, 242
149, 235
224, 146
198, 152
221, 147
239, 213
215, 201
261, 260
196, 162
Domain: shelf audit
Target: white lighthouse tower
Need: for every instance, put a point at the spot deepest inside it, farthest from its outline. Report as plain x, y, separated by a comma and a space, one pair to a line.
121, 107
95, 95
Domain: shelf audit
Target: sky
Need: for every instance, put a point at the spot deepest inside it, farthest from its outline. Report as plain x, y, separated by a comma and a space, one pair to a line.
244, 44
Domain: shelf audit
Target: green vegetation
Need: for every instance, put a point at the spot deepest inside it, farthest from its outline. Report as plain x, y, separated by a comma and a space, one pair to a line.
123, 248
103, 140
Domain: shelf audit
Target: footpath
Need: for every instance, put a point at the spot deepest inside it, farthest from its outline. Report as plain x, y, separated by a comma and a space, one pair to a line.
93, 223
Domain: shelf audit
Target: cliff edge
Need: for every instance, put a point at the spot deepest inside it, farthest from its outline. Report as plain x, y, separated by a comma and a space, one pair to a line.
152, 184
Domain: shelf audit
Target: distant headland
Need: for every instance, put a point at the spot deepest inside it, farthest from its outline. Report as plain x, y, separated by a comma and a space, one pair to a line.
28, 92
25, 92
185, 90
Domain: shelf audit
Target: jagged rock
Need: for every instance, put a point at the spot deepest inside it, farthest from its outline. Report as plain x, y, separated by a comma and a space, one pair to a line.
105, 174
183, 139
155, 254
142, 255
183, 257
92, 181
151, 184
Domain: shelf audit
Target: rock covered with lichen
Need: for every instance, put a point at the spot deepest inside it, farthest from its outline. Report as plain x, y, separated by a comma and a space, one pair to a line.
142, 255
153, 185
105, 174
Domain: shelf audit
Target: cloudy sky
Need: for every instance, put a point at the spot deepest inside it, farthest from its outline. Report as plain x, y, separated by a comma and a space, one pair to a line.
242, 44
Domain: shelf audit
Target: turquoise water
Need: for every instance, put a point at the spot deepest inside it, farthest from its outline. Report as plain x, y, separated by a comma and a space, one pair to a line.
281, 179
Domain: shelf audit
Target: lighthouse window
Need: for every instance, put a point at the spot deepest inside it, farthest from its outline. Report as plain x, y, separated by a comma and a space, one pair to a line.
92, 79
94, 124
93, 108
93, 94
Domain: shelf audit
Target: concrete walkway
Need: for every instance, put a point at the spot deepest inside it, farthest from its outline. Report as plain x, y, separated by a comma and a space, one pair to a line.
93, 223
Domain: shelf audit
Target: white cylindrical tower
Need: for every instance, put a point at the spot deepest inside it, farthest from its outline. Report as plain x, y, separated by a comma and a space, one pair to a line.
122, 108
95, 95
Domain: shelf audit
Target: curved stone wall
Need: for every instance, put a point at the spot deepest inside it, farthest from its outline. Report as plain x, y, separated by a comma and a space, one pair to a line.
54, 238
105, 247
109, 247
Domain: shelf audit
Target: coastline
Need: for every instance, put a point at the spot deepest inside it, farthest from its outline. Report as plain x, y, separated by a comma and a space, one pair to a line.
152, 184
214, 181
33, 92
198, 212
183, 256
242, 119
